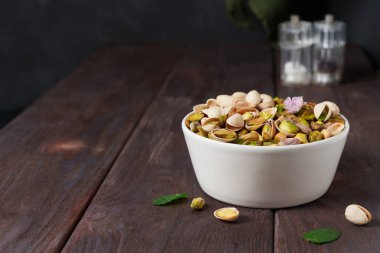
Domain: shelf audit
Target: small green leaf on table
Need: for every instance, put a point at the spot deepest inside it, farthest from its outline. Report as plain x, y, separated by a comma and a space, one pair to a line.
161, 201
322, 235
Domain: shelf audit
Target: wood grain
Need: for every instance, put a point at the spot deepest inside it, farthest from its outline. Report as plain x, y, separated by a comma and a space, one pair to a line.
356, 180
155, 161
54, 156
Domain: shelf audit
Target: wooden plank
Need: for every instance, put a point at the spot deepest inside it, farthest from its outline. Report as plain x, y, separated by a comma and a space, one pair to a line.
54, 156
354, 182
155, 161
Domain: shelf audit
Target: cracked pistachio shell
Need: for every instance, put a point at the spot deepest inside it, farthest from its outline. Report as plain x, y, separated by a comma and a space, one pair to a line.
335, 129
357, 214
212, 102
242, 132
288, 127
239, 95
266, 102
197, 203
242, 106
206, 121
235, 122
227, 214
194, 126
213, 111
225, 100
315, 136
202, 132
253, 97
302, 137
326, 134
209, 127
331, 108
269, 113
252, 136
254, 124
200, 107
289, 141
268, 131
222, 135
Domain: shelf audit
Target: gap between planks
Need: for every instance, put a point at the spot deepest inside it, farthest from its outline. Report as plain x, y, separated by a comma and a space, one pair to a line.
125, 142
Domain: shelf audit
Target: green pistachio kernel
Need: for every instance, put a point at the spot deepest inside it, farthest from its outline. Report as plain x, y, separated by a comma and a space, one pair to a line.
247, 116
315, 136
302, 137
303, 122
266, 115
196, 117
288, 127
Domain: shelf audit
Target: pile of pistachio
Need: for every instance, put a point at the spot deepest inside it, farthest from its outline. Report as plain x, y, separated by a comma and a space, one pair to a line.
260, 120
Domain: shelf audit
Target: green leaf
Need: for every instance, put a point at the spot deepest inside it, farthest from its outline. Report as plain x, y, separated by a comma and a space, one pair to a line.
161, 201
237, 13
322, 235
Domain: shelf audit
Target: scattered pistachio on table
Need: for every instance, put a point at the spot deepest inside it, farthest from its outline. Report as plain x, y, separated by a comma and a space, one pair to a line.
357, 214
227, 214
259, 120
197, 203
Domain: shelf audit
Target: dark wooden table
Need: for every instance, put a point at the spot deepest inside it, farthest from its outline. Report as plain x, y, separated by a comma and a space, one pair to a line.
80, 167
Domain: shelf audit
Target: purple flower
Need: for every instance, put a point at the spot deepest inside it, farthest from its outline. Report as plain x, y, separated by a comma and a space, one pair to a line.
294, 104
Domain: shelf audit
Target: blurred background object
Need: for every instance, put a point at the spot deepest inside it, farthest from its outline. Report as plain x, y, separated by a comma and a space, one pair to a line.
41, 41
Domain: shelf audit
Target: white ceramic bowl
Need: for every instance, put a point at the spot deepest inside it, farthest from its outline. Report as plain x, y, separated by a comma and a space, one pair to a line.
264, 176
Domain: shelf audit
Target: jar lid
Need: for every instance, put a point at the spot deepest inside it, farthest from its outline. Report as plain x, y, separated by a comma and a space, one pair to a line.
295, 33
329, 33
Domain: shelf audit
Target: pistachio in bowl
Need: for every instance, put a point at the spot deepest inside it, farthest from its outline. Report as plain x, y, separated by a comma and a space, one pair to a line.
260, 120
256, 151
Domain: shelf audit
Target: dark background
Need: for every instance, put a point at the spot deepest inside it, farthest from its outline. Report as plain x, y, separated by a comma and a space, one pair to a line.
41, 41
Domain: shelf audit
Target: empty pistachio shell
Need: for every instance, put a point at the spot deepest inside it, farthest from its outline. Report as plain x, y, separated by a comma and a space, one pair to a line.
239, 95
212, 102
253, 97
213, 111
227, 214
330, 108
225, 100
289, 141
200, 107
223, 135
266, 102
357, 214
197, 203
235, 122
326, 134
335, 128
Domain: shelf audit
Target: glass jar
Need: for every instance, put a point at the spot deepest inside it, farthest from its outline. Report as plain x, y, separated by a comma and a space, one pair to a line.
328, 53
295, 40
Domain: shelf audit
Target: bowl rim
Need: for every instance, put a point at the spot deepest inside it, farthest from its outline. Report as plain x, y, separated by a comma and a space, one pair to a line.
333, 139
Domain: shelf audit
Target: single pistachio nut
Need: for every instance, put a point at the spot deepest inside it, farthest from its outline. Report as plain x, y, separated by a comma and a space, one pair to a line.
357, 214
288, 127
280, 136
194, 126
227, 214
197, 203
315, 126
197, 116
315, 136
302, 137
326, 134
